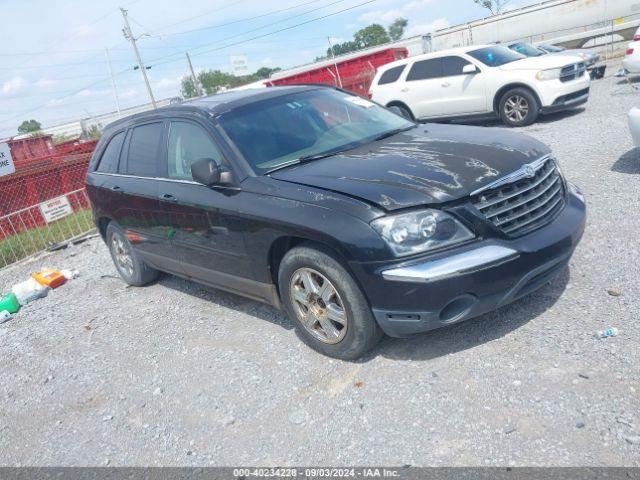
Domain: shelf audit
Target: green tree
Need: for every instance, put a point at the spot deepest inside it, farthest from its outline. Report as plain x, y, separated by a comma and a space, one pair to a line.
188, 89
213, 81
266, 72
494, 6
29, 126
94, 133
374, 34
396, 29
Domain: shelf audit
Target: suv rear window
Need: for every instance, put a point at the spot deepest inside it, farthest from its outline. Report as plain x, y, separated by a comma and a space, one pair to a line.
144, 150
425, 69
391, 75
111, 155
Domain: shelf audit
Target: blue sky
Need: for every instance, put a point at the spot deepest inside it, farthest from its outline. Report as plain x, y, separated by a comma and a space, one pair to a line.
52, 56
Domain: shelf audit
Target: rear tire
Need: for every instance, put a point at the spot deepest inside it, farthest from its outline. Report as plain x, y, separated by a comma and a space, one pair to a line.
130, 266
330, 311
519, 108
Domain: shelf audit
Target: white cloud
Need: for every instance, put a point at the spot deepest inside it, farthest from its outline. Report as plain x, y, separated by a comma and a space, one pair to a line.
14, 85
416, 5
85, 93
131, 93
45, 83
169, 82
430, 27
377, 16
267, 62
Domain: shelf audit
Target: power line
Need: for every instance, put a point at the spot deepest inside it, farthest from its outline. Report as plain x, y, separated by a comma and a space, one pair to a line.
254, 29
66, 38
269, 33
233, 22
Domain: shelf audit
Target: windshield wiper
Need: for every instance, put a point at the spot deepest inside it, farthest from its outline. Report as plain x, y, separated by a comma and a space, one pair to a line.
391, 133
305, 159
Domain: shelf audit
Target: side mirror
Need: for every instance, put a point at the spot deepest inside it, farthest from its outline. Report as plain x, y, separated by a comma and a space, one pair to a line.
470, 69
207, 172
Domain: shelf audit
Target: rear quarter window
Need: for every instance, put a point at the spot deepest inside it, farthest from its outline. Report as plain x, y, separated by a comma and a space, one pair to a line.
391, 75
111, 155
144, 150
425, 70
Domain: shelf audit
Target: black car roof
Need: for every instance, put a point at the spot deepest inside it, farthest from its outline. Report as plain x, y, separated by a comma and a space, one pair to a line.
218, 103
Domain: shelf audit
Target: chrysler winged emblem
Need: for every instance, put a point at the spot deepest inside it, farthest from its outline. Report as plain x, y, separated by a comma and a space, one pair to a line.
529, 171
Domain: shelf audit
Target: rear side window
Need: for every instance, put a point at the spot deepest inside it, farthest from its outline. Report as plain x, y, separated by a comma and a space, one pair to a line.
111, 155
452, 66
144, 150
425, 69
391, 75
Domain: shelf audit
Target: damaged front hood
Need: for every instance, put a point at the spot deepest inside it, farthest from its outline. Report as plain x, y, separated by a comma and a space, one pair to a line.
427, 165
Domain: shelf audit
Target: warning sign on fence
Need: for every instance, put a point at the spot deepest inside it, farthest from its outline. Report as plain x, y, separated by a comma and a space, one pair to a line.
56, 208
6, 162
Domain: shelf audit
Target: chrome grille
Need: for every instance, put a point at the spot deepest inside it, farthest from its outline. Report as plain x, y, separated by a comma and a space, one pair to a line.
525, 204
572, 72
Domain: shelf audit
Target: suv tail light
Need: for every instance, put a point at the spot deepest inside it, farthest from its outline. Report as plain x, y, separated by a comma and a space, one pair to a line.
629, 51
636, 38
369, 95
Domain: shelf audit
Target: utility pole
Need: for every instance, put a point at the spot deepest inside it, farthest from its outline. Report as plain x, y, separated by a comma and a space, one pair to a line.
193, 76
334, 62
128, 34
113, 81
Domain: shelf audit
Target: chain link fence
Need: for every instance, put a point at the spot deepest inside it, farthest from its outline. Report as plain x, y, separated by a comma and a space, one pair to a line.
43, 205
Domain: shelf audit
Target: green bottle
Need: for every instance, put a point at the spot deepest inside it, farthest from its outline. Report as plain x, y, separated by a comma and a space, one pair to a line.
10, 303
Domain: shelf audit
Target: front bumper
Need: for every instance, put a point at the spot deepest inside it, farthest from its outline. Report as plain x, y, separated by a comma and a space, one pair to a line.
475, 279
551, 91
565, 102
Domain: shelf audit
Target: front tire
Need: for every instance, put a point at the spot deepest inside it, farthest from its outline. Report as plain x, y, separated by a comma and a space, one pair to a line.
129, 265
330, 311
519, 108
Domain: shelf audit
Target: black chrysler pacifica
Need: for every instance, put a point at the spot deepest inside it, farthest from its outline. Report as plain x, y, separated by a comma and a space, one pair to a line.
353, 219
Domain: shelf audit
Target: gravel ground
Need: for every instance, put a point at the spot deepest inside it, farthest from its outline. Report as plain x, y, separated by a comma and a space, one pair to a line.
175, 374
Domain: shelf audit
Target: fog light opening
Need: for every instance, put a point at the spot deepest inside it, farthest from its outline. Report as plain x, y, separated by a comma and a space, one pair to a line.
457, 308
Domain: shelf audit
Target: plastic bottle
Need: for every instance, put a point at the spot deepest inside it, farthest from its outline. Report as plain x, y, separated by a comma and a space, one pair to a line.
10, 303
609, 332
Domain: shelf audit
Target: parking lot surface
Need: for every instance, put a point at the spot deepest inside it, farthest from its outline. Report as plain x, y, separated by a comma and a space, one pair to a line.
98, 373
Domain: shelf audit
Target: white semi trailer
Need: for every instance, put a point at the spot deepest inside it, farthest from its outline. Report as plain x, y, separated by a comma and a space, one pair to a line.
568, 22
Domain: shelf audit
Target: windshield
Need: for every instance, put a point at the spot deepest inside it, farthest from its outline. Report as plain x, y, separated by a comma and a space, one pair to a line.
495, 56
526, 49
552, 48
277, 131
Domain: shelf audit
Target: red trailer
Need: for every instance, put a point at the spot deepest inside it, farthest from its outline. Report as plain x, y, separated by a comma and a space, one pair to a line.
24, 150
355, 72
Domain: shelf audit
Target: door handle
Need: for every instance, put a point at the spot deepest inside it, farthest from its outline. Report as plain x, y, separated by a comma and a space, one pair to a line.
405, 89
115, 188
446, 84
168, 197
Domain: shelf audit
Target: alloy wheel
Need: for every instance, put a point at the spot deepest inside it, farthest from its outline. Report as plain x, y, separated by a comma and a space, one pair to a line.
318, 305
122, 253
516, 108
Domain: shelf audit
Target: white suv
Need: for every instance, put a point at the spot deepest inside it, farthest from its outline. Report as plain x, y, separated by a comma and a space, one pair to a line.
481, 81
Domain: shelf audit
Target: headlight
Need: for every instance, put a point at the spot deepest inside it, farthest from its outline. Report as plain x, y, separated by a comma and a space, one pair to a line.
551, 74
421, 231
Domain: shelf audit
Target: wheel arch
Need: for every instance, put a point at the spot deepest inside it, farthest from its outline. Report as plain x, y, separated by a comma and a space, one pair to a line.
102, 224
398, 103
280, 246
499, 94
